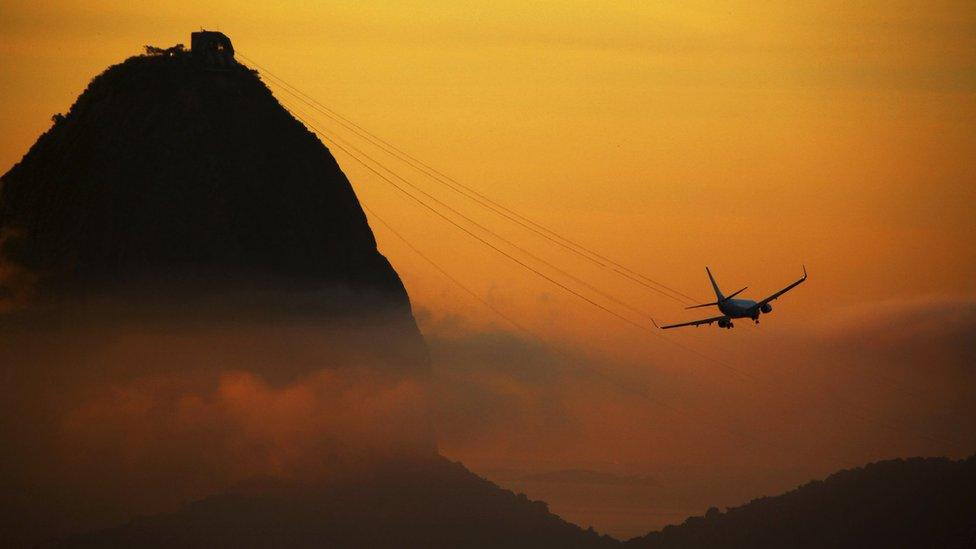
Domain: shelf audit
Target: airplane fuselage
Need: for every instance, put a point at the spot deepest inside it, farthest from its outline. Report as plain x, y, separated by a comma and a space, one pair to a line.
739, 308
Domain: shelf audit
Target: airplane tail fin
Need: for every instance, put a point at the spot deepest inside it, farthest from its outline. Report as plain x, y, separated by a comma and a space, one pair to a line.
718, 292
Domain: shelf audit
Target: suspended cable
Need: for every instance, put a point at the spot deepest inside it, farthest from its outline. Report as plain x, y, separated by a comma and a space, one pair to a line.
738, 372
606, 378
481, 199
487, 230
642, 328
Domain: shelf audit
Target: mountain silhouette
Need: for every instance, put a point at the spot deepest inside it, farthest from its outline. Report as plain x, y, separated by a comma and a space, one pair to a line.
918, 502
177, 183
170, 172
177, 204
430, 503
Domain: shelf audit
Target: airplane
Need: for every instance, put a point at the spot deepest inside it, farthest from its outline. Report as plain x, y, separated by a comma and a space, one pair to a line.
734, 308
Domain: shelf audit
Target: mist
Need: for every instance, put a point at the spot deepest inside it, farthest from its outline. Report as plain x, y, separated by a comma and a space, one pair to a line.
564, 424
112, 409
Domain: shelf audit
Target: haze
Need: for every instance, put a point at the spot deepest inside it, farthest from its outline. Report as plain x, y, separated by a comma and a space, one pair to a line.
746, 138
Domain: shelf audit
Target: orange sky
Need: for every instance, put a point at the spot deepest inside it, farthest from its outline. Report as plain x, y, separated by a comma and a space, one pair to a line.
666, 136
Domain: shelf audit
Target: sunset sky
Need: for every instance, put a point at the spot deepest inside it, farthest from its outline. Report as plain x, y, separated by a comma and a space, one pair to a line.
667, 136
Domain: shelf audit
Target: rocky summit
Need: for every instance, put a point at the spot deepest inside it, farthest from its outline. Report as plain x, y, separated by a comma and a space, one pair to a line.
180, 170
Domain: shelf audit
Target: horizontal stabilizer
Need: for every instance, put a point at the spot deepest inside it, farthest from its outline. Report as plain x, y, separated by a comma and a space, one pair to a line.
735, 293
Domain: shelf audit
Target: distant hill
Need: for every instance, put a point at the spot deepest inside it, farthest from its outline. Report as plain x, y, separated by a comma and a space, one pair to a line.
918, 502
434, 503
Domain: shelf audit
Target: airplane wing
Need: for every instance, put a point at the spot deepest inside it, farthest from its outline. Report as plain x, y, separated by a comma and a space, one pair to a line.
692, 323
784, 290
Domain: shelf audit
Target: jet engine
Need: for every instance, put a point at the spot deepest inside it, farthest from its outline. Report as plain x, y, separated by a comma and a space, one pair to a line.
766, 308
724, 323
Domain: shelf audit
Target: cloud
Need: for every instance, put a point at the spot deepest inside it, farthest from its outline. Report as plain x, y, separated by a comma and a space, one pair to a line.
493, 385
105, 413
936, 330
503, 395
16, 283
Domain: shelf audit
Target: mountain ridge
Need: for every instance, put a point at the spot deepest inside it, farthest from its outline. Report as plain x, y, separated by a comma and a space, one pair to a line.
914, 502
435, 503
942, 516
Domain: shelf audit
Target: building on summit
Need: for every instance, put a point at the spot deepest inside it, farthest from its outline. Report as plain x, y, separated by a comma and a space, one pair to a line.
212, 49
